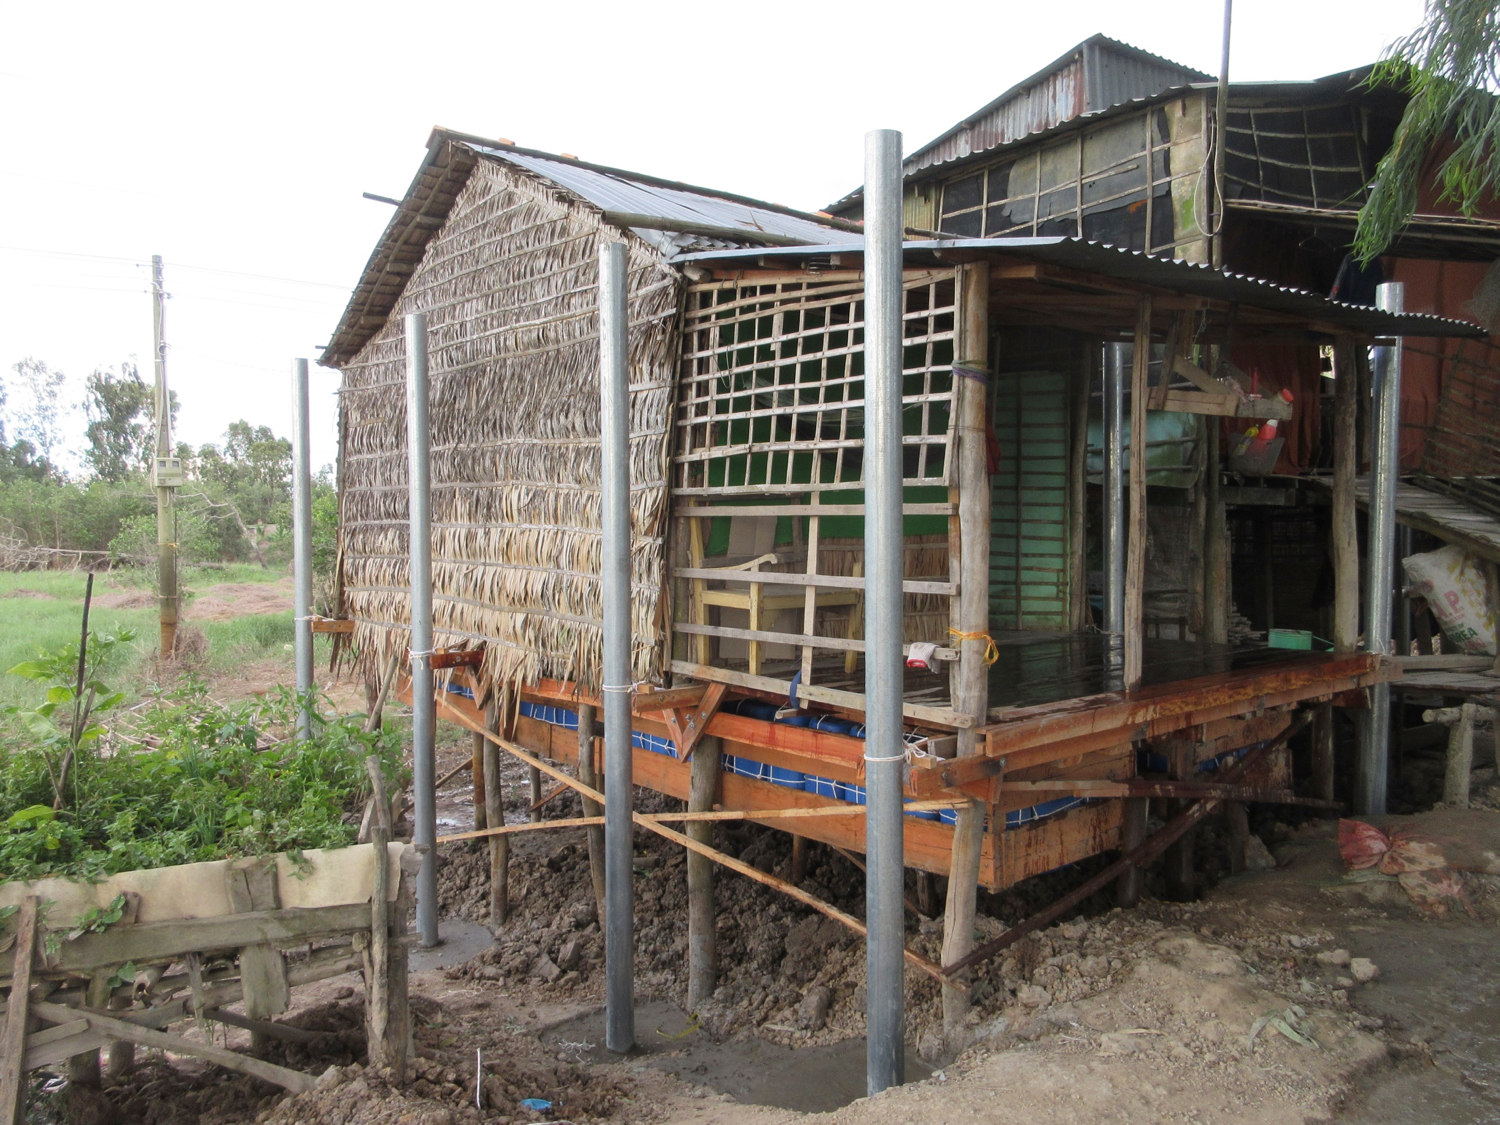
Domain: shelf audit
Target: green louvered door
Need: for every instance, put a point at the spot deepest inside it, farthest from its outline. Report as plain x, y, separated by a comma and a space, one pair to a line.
1029, 502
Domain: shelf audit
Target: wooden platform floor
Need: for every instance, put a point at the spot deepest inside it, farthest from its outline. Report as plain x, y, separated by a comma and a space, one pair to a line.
1036, 668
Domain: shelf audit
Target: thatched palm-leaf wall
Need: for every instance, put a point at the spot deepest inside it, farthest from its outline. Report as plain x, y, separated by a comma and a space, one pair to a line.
510, 289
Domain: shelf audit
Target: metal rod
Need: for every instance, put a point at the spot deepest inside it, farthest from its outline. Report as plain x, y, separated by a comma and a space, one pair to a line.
1221, 121
885, 1014
165, 480
614, 434
1385, 469
302, 545
423, 712
1114, 490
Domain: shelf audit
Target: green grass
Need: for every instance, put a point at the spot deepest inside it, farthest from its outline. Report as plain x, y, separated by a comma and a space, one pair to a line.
32, 624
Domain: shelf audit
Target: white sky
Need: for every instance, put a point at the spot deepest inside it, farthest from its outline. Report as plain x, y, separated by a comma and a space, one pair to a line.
234, 140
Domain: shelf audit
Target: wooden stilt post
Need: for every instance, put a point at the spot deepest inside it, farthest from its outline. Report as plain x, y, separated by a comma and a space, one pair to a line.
702, 918
1322, 752
1460, 766
970, 683
800, 847
588, 773
494, 797
476, 771
1135, 558
535, 777
1178, 861
1128, 885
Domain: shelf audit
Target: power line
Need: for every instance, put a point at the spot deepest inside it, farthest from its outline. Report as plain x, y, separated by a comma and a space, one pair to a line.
176, 266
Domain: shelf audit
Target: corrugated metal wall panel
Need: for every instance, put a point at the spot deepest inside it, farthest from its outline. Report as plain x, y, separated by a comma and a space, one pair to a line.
1029, 555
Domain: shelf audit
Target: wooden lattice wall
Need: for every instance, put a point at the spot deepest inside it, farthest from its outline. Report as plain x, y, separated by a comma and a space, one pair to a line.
768, 459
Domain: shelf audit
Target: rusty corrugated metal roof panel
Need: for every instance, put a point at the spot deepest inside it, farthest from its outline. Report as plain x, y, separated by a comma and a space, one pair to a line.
1096, 74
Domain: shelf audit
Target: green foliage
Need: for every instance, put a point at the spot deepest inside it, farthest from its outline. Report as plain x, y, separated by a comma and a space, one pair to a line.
120, 424
1448, 67
196, 780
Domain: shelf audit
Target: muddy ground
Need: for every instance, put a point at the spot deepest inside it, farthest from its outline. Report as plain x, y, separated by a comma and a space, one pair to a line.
1251, 1005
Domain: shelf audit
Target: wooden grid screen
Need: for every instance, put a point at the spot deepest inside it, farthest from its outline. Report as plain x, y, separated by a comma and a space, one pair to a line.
771, 396
770, 407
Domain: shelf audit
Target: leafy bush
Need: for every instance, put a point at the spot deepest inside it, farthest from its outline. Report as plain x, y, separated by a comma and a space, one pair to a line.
188, 779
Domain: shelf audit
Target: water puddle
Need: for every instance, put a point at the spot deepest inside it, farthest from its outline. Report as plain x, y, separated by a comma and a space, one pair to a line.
749, 1069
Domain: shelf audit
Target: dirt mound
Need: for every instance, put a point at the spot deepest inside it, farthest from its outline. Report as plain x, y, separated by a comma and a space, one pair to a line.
229, 600
125, 599
440, 1086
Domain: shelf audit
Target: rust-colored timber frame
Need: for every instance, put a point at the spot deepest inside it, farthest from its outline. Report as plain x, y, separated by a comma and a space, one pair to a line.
1089, 740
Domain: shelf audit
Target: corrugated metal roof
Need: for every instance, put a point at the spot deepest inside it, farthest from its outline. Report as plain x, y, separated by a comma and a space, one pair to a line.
1096, 74
695, 211
1187, 278
673, 217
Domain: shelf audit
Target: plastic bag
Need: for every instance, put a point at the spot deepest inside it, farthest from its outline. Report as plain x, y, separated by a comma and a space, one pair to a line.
1454, 584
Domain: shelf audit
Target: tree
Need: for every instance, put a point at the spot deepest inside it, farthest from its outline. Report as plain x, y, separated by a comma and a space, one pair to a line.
121, 430
1450, 68
37, 412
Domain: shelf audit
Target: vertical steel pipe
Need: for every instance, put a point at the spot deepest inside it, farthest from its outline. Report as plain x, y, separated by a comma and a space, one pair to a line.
614, 434
423, 713
1115, 366
302, 545
884, 669
1385, 469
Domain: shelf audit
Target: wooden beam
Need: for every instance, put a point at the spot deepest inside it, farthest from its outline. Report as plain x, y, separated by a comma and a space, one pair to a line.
1138, 856
331, 625
793, 578
971, 609
938, 716
467, 658
810, 640
158, 941
13, 1035
292, 1080
688, 729
666, 699
768, 511
652, 824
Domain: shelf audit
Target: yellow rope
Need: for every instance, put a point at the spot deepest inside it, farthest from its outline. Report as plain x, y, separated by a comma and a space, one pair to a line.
991, 653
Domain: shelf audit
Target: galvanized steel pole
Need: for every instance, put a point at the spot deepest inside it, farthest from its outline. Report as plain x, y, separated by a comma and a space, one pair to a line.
885, 1012
423, 716
1385, 468
614, 434
1114, 493
302, 544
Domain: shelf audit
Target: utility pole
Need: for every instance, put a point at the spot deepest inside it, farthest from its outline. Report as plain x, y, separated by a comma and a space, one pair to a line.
166, 474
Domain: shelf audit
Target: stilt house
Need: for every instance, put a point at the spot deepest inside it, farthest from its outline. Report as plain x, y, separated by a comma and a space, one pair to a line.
746, 400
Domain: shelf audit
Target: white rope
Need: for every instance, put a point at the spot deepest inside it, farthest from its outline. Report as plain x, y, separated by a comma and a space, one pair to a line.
423, 653
627, 688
